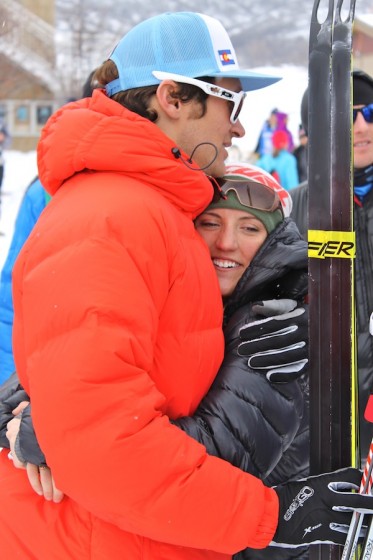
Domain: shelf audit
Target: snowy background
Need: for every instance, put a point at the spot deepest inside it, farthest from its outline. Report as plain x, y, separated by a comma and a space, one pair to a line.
20, 168
286, 95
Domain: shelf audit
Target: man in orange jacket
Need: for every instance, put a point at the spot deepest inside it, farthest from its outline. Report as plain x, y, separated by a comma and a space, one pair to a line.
118, 322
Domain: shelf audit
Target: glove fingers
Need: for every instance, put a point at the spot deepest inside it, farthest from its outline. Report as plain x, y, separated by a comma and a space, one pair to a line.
287, 373
283, 337
340, 486
283, 357
269, 325
341, 525
340, 528
344, 476
339, 532
271, 307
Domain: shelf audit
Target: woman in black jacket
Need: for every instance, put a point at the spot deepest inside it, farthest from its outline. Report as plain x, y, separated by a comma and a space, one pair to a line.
254, 421
244, 418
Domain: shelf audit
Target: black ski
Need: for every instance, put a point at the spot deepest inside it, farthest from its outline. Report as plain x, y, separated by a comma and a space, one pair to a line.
331, 247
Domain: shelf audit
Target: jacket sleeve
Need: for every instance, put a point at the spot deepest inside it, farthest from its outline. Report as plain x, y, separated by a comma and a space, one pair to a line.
295, 463
240, 412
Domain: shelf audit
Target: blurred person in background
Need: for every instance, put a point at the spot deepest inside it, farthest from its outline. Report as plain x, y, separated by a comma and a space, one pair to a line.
5, 140
282, 124
301, 155
264, 144
281, 163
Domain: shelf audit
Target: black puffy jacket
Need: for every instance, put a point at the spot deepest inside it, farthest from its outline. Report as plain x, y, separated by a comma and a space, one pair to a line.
260, 427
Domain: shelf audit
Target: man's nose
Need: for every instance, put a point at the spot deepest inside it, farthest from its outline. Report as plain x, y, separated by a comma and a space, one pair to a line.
238, 129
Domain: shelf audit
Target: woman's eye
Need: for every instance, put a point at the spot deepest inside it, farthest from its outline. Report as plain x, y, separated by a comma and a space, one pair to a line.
251, 229
207, 224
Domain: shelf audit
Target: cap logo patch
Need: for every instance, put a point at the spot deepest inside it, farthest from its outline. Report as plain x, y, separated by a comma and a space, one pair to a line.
226, 57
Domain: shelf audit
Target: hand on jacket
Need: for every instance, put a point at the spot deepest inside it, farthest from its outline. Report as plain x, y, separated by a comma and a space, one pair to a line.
277, 344
42, 482
318, 509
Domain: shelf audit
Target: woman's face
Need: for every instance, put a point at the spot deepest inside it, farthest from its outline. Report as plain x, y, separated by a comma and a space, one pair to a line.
233, 238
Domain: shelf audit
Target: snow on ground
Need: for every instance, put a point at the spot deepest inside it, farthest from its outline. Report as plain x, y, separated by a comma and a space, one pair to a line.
286, 95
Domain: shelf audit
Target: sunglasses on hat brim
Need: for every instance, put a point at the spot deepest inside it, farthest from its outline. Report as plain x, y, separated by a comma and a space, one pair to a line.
249, 193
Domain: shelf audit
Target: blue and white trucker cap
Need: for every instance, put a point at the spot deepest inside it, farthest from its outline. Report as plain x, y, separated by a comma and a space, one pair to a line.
185, 43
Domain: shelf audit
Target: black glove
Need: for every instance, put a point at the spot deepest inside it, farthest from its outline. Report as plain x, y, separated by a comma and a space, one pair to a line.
318, 509
27, 447
11, 394
278, 344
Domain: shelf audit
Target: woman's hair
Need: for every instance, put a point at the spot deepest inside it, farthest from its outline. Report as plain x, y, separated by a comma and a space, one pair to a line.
138, 99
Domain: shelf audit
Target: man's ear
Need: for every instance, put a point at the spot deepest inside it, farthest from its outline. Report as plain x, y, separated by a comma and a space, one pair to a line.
169, 103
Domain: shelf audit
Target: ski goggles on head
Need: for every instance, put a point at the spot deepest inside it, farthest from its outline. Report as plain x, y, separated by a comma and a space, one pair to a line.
237, 98
366, 111
249, 193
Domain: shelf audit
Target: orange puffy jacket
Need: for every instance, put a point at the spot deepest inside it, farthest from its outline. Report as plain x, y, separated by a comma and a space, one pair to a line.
117, 329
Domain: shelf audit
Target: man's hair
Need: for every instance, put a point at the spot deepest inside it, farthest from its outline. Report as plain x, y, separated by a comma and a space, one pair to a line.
138, 99
88, 86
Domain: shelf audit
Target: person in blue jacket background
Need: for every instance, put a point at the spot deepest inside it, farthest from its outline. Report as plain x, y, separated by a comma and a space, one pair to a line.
33, 203
281, 163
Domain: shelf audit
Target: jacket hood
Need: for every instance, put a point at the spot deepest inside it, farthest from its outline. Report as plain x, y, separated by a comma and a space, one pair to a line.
99, 134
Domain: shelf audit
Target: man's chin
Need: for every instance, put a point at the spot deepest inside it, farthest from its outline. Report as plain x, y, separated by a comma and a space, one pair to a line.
361, 163
216, 169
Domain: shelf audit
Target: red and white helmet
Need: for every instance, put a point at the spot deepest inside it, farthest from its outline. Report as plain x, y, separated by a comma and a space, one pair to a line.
248, 171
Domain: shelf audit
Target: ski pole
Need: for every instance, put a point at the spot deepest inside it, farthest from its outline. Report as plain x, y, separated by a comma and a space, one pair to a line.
357, 518
367, 550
